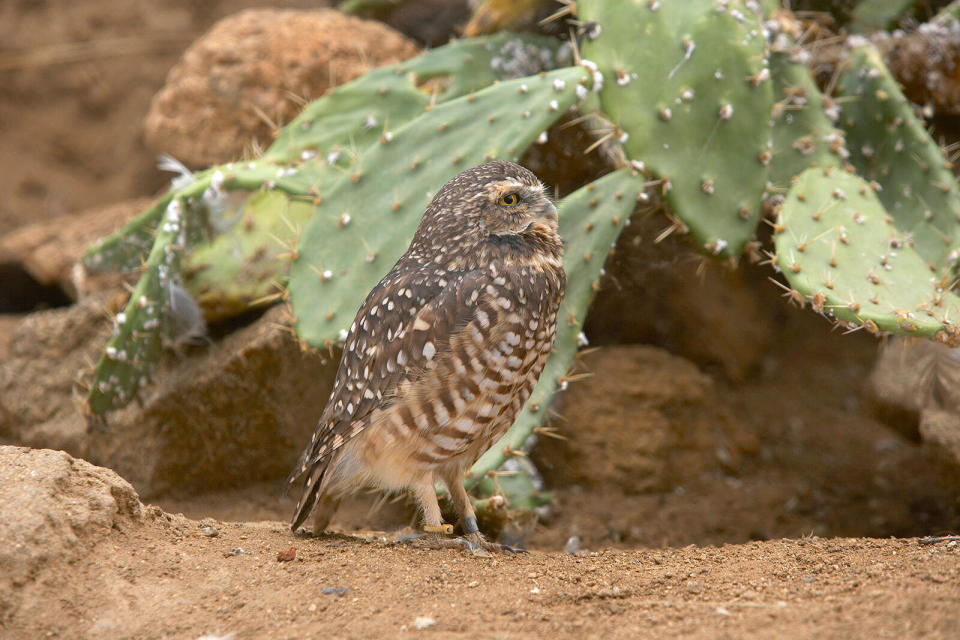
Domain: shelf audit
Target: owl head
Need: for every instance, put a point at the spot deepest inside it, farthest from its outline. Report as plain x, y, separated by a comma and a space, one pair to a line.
494, 203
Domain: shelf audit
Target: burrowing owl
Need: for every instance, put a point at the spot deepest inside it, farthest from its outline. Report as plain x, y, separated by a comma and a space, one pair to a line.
444, 351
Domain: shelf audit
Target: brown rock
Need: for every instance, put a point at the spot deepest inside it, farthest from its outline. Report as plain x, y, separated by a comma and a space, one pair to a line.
49, 351
257, 65
915, 388
653, 404
940, 431
50, 250
669, 294
54, 508
8, 322
235, 412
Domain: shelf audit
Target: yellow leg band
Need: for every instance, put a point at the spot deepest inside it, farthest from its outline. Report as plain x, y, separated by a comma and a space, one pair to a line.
445, 529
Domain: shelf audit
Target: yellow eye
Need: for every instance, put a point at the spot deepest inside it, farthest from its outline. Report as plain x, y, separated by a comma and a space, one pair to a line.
509, 200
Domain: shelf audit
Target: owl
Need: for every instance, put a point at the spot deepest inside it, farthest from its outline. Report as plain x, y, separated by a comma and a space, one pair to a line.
443, 353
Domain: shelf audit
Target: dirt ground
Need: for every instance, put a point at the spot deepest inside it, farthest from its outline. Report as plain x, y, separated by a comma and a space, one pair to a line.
166, 580
771, 503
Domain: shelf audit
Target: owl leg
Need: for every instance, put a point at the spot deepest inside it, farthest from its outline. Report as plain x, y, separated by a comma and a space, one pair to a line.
427, 497
472, 538
461, 501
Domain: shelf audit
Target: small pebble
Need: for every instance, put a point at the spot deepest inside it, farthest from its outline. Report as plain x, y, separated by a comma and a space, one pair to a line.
335, 591
424, 622
209, 531
287, 556
573, 545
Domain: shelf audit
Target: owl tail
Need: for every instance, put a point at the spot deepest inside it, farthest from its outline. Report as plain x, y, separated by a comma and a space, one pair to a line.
310, 495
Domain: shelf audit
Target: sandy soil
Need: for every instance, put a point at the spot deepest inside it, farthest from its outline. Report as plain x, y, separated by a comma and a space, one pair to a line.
167, 580
766, 504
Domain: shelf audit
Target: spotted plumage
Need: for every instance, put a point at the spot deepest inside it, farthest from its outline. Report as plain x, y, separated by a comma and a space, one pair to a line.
445, 350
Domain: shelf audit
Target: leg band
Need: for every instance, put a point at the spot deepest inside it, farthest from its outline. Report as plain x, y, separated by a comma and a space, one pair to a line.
445, 529
470, 525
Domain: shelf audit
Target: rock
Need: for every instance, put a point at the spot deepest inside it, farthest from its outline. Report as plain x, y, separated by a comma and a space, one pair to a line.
54, 508
50, 250
257, 65
893, 389
667, 293
8, 322
235, 412
654, 404
940, 431
49, 351
915, 388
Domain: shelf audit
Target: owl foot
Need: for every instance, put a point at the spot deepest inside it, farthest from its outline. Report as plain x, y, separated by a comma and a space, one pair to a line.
480, 546
435, 538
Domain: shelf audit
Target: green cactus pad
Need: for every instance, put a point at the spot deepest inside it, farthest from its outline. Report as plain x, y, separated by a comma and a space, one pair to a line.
356, 114
803, 133
591, 218
351, 117
687, 82
249, 263
138, 329
127, 249
890, 145
368, 213
144, 323
873, 15
838, 247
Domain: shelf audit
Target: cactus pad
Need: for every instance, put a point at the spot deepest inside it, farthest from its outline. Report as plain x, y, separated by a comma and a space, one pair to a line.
368, 214
838, 247
803, 132
890, 145
249, 263
687, 87
138, 330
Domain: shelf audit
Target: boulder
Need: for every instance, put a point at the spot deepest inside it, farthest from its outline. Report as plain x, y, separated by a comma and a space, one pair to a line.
222, 415
259, 67
654, 406
50, 250
54, 508
663, 291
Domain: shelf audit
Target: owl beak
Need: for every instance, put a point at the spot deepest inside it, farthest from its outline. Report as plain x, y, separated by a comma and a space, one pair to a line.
547, 212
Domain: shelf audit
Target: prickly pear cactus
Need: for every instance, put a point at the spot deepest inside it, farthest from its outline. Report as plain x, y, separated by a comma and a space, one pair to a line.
687, 88
248, 264
241, 218
359, 112
804, 134
890, 145
368, 214
840, 250
137, 330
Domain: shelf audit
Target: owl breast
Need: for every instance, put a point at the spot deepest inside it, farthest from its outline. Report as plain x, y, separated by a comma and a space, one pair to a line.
470, 396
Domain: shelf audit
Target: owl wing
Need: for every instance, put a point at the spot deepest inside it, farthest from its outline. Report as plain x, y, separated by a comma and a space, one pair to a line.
402, 326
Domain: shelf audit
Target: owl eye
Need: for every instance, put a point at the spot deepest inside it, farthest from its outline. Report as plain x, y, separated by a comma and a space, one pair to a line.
509, 200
